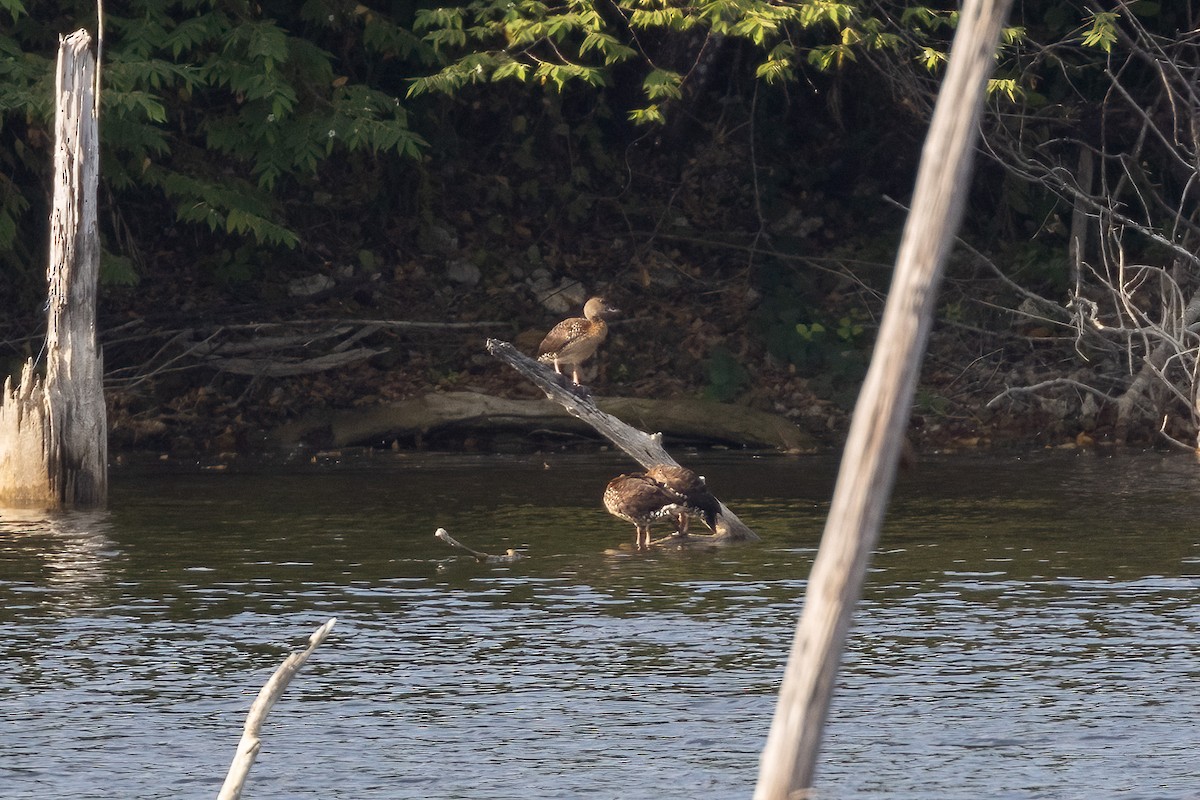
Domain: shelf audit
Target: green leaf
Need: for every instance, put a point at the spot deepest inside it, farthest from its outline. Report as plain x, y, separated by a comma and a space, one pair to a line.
650, 115
663, 84
932, 58
1103, 31
1007, 87
15, 8
117, 270
511, 69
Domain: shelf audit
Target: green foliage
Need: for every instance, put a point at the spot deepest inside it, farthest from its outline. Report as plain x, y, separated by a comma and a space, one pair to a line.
931, 404
727, 378
573, 43
1008, 87
15, 8
830, 350
217, 107
1102, 33
117, 270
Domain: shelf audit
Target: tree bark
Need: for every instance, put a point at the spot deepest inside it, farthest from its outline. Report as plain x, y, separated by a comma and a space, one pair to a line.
53, 434
876, 435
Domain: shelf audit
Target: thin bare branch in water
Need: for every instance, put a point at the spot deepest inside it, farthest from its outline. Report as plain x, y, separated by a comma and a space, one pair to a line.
250, 742
483, 558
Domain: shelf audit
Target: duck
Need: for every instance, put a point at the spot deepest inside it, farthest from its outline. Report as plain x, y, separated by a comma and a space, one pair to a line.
640, 500
664, 492
690, 492
576, 339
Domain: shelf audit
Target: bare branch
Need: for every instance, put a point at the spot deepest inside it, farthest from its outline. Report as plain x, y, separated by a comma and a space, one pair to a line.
1013, 391
250, 742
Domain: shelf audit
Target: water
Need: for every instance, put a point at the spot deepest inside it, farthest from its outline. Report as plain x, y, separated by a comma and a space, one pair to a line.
1029, 631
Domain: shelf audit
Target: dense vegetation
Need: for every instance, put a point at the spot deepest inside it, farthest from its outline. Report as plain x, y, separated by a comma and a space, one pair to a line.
733, 170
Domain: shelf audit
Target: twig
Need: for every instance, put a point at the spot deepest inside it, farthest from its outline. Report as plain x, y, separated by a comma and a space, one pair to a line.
1171, 439
483, 558
250, 743
280, 368
1034, 389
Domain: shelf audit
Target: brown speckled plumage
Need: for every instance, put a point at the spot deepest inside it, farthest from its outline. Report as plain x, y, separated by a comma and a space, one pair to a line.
663, 492
575, 340
689, 490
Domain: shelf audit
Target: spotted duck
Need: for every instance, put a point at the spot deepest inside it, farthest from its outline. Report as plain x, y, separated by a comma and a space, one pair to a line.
641, 501
690, 492
663, 493
575, 340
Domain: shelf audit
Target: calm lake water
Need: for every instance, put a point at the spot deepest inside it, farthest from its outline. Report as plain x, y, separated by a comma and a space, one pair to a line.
1029, 631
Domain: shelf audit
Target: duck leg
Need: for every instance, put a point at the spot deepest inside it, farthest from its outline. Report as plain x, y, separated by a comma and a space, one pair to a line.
577, 388
562, 377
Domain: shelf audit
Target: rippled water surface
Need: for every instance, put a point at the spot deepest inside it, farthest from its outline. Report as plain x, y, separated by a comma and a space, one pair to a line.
1029, 631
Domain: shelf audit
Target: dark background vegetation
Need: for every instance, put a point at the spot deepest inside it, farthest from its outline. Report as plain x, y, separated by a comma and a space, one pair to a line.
733, 175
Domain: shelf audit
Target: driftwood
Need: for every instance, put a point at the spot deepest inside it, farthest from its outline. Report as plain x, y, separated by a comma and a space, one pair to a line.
260, 350
644, 448
436, 412
250, 743
261, 357
53, 434
281, 367
483, 558
874, 445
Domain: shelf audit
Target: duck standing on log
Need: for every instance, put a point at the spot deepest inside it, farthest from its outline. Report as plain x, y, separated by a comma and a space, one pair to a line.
663, 492
575, 340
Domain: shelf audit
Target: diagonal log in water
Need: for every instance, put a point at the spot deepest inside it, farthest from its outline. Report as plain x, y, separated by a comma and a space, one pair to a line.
874, 444
642, 447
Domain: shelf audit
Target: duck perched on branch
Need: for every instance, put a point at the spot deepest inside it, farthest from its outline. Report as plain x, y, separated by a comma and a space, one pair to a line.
663, 492
575, 340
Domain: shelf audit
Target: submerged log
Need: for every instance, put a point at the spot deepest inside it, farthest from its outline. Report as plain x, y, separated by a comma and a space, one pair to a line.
644, 448
53, 433
875, 442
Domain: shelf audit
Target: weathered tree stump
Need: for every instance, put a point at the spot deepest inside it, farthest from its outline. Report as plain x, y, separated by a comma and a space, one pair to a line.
53, 433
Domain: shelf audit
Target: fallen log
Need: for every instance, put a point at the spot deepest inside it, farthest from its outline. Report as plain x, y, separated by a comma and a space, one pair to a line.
439, 412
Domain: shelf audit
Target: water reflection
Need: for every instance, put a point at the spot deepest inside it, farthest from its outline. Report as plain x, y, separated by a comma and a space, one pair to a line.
63, 558
1029, 630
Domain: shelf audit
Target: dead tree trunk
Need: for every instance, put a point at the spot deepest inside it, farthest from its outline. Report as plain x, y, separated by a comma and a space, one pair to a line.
53, 434
873, 448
